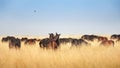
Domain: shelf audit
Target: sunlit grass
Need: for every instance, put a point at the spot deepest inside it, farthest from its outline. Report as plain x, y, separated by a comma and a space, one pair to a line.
94, 56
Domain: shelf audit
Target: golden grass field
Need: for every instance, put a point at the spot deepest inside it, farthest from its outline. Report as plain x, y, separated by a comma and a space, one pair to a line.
92, 56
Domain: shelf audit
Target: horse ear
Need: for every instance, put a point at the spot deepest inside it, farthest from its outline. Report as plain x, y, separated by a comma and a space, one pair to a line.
49, 33
56, 33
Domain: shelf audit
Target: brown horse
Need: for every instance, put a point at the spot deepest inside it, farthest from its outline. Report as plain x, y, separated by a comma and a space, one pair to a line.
53, 41
30, 41
107, 43
100, 38
52, 44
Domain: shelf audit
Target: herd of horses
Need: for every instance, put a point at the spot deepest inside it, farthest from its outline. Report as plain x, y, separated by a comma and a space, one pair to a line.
54, 41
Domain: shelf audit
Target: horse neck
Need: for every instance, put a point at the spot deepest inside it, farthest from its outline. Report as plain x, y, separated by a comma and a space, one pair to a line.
56, 38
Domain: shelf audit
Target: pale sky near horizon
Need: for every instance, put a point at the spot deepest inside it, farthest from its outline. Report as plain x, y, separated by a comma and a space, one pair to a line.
36, 17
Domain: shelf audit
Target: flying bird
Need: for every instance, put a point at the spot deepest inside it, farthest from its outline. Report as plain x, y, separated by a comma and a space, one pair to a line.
34, 10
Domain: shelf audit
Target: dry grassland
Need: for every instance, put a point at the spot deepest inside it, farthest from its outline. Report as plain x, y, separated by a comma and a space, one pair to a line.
93, 56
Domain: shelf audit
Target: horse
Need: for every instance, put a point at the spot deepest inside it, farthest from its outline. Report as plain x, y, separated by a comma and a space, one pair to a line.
43, 43
57, 40
107, 43
115, 36
14, 43
24, 39
51, 42
65, 40
30, 41
100, 38
78, 42
89, 37
7, 39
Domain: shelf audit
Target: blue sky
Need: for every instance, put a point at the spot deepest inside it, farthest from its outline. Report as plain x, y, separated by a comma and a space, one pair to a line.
17, 17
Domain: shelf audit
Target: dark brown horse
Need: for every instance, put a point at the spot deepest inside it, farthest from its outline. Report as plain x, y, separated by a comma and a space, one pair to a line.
15, 43
89, 37
50, 43
53, 41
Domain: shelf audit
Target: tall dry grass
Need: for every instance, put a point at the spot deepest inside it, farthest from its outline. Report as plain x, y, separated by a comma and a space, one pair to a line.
65, 57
